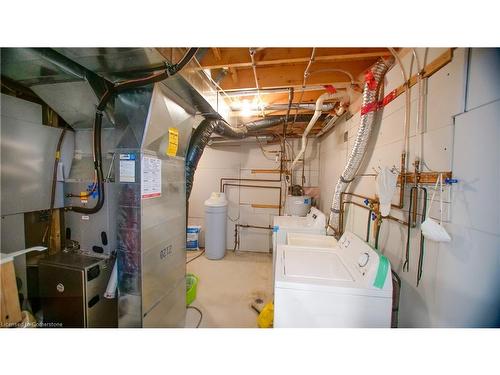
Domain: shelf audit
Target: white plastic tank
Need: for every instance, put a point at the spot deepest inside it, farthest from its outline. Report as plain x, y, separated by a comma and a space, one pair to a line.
297, 205
215, 226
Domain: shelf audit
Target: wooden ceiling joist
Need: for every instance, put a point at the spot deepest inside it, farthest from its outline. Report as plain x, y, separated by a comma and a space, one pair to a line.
293, 75
232, 62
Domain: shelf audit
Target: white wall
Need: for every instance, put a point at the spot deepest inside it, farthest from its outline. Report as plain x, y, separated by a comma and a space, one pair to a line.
238, 162
459, 286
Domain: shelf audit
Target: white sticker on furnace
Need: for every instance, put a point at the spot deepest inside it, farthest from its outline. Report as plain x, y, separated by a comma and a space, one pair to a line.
127, 170
150, 177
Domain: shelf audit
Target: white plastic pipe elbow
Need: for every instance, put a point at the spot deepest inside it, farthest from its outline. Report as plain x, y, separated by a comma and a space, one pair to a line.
317, 113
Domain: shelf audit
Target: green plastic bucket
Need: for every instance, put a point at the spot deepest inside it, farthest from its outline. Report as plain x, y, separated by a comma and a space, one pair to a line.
191, 284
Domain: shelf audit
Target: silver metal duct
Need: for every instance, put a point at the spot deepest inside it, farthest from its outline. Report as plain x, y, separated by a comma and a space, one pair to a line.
370, 96
151, 207
27, 158
201, 137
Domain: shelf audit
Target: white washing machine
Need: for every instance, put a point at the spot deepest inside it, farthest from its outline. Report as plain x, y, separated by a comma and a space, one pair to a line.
311, 240
313, 223
347, 286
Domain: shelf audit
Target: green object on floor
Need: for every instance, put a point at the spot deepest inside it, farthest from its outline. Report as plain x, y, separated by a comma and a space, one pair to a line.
191, 284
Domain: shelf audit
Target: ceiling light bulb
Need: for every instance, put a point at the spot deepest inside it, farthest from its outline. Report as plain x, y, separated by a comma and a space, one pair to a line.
246, 108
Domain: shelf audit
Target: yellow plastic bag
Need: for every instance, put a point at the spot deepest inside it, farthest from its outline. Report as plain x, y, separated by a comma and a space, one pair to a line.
266, 316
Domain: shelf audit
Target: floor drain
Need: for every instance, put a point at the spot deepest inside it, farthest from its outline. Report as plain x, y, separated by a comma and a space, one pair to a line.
258, 300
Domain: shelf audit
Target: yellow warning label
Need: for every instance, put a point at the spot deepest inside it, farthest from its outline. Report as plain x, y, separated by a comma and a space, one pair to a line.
173, 141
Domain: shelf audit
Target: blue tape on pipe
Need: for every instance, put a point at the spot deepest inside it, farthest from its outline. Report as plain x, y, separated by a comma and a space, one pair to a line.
276, 228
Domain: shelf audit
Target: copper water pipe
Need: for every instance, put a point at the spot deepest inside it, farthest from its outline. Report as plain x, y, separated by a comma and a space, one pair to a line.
374, 208
236, 236
254, 186
402, 183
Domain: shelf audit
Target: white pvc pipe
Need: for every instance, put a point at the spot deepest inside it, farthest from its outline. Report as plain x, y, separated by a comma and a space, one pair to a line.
407, 103
9, 257
112, 283
317, 113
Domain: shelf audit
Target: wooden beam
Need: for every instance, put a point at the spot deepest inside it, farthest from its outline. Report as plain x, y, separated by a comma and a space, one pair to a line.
431, 68
234, 74
217, 54
10, 310
299, 60
425, 177
276, 76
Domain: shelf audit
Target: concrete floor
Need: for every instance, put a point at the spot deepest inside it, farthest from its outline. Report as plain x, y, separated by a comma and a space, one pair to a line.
227, 288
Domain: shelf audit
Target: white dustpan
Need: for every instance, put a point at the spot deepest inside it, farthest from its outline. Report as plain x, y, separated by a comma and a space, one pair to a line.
386, 186
431, 229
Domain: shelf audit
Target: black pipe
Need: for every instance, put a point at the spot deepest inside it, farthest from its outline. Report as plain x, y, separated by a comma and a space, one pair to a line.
98, 168
422, 238
108, 94
197, 143
169, 71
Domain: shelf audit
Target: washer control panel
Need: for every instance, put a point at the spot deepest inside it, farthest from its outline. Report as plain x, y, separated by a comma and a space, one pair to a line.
363, 259
358, 254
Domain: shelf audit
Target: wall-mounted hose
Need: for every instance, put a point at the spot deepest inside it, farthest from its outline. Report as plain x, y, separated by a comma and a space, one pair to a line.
370, 96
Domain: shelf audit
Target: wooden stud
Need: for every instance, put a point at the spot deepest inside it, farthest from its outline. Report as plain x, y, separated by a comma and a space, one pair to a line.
10, 310
234, 74
217, 54
55, 241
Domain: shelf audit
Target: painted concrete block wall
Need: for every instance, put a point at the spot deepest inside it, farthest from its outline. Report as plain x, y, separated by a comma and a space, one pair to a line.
459, 286
238, 162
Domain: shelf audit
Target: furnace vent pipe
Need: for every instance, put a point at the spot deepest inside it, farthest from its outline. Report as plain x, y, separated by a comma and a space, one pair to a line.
317, 113
215, 124
370, 97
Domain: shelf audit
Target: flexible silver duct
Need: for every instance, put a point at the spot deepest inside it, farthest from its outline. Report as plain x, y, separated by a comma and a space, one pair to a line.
201, 137
370, 96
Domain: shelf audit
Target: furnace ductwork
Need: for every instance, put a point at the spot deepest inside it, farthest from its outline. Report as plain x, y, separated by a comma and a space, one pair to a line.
211, 124
370, 97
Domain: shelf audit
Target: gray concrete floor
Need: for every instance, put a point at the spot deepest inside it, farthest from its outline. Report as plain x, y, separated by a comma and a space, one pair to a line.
227, 288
